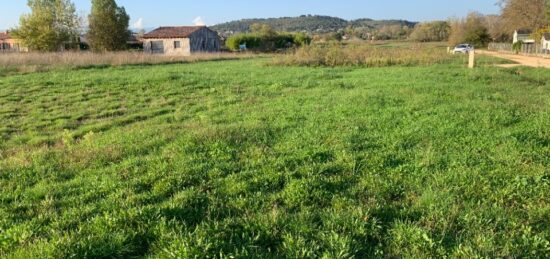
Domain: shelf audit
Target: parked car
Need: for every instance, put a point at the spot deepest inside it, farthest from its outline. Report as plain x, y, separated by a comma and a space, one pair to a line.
463, 48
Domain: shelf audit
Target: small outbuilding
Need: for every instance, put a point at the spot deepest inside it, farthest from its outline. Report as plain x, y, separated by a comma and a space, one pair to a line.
181, 40
545, 43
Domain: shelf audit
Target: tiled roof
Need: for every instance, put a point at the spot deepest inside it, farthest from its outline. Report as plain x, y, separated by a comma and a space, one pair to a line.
546, 36
172, 32
4, 36
524, 31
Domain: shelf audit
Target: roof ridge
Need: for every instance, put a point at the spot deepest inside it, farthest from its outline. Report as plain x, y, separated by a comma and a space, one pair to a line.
173, 31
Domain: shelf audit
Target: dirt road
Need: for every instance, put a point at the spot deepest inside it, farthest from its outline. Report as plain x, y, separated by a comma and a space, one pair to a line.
522, 60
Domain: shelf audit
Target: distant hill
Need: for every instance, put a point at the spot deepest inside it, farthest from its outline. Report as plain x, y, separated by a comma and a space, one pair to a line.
308, 23
377, 24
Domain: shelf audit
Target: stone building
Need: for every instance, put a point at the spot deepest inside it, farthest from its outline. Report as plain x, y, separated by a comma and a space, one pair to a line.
10, 44
182, 40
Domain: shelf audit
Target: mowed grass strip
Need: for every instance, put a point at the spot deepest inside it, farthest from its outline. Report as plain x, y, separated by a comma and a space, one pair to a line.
244, 159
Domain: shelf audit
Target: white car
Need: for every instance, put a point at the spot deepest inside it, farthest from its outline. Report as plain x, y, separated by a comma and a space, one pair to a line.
463, 48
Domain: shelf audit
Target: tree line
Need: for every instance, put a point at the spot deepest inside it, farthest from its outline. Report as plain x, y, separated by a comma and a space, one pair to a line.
53, 25
264, 38
476, 28
479, 29
312, 24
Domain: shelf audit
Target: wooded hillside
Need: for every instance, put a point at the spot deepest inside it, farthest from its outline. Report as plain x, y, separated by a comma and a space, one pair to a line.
308, 23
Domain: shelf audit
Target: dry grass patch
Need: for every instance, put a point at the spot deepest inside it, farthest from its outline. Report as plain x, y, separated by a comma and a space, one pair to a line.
366, 55
15, 63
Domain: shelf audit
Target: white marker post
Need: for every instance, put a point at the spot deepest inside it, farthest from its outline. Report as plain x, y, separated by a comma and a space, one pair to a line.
472, 59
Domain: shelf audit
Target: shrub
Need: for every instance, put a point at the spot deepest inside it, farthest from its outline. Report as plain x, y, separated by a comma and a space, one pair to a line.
268, 42
301, 39
471, 30
431, 31
252, 41
517, 46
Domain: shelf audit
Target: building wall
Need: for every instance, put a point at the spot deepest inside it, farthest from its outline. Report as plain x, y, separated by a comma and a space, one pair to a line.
205, 40
545, 45
12, 45
168, 46
526, 38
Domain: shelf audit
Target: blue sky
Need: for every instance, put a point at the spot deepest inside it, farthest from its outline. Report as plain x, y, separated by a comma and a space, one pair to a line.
152, 13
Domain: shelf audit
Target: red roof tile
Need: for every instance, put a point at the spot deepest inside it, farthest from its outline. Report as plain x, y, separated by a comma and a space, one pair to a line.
172, 32
4, 36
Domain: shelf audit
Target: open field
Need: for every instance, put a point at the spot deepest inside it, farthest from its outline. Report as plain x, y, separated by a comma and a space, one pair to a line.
241, 158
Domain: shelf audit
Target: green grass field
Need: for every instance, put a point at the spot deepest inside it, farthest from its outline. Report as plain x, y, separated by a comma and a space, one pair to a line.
244, 159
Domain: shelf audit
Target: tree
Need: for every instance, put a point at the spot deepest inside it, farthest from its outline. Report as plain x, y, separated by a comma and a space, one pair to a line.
301, 39
108, 26
525, 14
267, 41
537, 35
431, 31
393, 32
497, 28
50, 25
263, 29
476, 33
470, 30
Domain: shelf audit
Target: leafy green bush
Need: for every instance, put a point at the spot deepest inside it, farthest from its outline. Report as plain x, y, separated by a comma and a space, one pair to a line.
267, 42
301, 39
252, 41
479, 37
517, 46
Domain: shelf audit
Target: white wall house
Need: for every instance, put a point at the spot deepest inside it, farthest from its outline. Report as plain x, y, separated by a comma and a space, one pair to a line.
524, 36
545, 43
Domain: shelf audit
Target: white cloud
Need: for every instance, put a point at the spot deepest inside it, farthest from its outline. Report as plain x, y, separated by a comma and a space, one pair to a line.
199, 21
138, 25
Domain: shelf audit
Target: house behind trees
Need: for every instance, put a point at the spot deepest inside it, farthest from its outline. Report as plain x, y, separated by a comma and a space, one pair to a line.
182, 40
10, 44
524, 36
545, 43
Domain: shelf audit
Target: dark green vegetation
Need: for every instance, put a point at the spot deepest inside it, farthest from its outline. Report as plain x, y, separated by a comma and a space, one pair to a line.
108, 26
50, 26
257, 42
265, 38
238, 158
309, 23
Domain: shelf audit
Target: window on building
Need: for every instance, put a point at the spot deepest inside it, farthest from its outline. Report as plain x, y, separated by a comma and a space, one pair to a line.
177, 44
157, 47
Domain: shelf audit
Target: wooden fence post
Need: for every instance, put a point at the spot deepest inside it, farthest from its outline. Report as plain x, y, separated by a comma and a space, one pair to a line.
471, 60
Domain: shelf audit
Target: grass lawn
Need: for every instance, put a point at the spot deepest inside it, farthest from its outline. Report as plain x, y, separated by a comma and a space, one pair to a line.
243, 159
